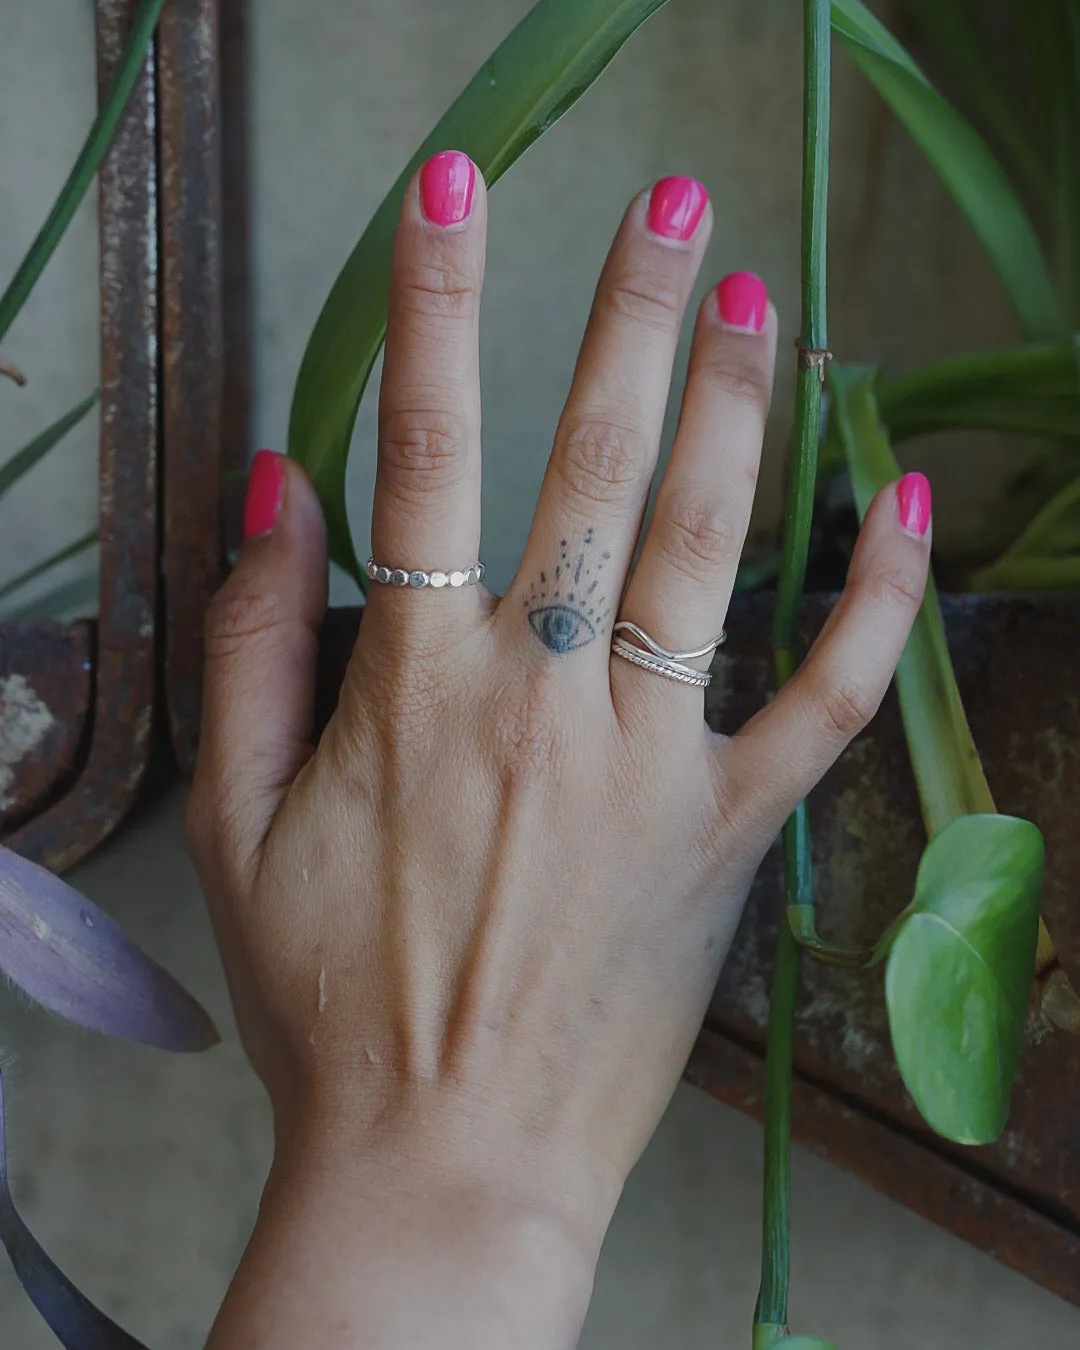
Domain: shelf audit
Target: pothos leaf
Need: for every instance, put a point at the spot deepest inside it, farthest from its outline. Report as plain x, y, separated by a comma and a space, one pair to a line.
77, 1324
959, 973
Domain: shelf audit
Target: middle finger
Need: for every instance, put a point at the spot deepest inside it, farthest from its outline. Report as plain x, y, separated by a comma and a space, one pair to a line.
597, 483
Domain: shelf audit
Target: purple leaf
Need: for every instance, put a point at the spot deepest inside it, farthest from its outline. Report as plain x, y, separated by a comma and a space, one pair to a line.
72, 959
77, 1324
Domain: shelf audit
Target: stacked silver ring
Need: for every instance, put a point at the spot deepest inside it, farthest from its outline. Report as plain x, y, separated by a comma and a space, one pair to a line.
398, 576
651, 656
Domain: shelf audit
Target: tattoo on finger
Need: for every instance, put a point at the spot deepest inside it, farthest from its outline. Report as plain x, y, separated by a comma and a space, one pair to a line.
568, 606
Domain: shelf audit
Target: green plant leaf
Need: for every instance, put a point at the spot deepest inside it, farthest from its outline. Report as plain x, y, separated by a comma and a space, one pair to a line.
949, 28
538, 73
965, 164
947, 769
24, 460
1033, 390
1050, 418
1047, 554
959, 974
86, 166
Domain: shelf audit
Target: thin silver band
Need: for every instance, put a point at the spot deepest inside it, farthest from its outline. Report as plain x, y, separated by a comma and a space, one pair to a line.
418, 579
651, 656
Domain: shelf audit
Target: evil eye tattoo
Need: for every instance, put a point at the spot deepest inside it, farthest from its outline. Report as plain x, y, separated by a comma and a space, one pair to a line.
568, 608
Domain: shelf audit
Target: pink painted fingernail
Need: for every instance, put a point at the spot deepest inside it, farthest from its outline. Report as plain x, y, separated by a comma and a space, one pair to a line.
741, 298
446, 187
266, 490
676, 207
913, 503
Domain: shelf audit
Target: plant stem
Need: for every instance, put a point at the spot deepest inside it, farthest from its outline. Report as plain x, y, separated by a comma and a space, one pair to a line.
85, 167
772, 1307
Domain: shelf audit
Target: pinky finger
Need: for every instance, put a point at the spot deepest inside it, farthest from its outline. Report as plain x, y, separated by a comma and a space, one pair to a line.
783, 752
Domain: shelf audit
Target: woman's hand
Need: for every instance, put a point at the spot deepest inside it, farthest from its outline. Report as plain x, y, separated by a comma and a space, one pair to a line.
471, 937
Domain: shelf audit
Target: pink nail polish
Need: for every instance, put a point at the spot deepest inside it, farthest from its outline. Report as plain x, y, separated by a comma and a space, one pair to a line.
446, 188
741, 298
913, 503
676, 207
266, 489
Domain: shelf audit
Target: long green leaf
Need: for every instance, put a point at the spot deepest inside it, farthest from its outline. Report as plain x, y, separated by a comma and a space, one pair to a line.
1053, 418
1040, 368
86, 166
965, 165
71, 550
943, 755
24, 460
950, 29
538, 73
1047, 554
73, 1319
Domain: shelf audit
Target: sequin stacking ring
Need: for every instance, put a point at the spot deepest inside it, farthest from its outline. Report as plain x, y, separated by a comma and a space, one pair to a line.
399, 576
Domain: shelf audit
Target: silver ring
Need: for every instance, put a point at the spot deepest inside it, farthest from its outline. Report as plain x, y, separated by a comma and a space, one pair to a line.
418, 579
651, 656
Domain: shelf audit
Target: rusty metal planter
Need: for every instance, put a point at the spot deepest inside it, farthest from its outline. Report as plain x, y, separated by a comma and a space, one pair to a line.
76, 701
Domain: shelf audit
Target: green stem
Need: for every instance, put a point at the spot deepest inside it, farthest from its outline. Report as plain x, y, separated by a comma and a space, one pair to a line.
86, 166
772, 1305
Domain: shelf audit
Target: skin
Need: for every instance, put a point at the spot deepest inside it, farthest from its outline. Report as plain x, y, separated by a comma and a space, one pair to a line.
471, 937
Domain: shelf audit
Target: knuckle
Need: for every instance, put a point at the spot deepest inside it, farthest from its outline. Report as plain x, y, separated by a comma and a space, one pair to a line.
895, 587
697, 537
237, 617
846, 708
421, 451
437, 291
601, 460
742, 382
651, 299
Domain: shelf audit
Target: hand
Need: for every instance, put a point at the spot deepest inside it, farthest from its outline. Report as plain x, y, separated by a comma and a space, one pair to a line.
471, 937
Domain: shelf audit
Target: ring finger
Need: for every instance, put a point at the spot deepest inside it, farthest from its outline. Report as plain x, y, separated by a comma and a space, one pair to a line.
682, 584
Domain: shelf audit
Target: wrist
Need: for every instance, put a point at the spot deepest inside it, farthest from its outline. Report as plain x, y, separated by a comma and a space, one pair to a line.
406, 1145
427, 1255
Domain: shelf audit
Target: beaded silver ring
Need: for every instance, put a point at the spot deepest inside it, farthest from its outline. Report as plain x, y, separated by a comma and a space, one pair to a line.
418, 579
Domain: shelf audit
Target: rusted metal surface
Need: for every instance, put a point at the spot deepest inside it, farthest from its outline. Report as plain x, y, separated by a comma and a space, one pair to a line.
1015, 663
192, 347
46, 684
123, 691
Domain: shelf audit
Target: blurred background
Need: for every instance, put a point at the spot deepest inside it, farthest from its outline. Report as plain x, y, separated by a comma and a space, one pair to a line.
141, 1172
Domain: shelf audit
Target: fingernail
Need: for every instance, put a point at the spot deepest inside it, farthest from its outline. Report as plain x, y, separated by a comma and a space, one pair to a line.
676, 206
913, 503
446, 187
741, 298
266, 488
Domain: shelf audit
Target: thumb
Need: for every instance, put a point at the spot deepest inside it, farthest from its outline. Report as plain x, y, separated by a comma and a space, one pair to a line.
261, 644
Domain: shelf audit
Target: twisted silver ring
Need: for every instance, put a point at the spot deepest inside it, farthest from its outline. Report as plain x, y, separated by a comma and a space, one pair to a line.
398, 576
651, 656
